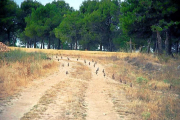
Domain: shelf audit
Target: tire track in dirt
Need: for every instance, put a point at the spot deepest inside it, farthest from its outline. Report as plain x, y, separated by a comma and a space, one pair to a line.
99, 105
105, 98
31, 95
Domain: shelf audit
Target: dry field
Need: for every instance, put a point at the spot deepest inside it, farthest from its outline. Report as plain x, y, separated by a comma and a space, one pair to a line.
90, 85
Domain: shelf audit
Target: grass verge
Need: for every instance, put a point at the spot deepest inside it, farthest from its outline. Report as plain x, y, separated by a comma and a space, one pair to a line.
18, 68
155, 91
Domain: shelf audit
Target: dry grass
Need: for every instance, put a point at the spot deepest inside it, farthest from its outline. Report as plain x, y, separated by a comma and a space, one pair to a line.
81, 72
151, 77
15, 74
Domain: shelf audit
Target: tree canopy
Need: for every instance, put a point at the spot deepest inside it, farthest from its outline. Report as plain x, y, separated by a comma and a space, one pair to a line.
109, 25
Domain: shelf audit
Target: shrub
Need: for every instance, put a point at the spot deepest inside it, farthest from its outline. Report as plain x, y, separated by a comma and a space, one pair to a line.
141, 80
146, 115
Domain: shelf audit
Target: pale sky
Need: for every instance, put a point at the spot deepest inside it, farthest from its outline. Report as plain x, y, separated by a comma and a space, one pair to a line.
72, 3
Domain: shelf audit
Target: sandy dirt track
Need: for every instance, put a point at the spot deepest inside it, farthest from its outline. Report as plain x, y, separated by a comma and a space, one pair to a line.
94, 103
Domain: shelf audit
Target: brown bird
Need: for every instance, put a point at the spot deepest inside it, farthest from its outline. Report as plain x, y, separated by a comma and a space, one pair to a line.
103, 71
58, 59
85, 61
104, 74
61, 57
66, 72
113, 76
94, 65
67, 58
62, 65
96, 72
130, 84
89, 63
56, 56
68, 64
125, 82
155, 87
77, 59
98, 69
170, 87
120, 80
92, 60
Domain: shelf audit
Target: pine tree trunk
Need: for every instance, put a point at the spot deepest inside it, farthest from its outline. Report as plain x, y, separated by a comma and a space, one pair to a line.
168, 44
110, 45
59, 43
101, 46
30, 43
130, 45
53, 44
177, 46
76, 43
49, 43
35, 42
160, 50
42, 44
140, 49
71, 46
148, 47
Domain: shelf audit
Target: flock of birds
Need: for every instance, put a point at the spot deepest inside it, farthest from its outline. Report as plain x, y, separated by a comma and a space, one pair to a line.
104, 74
97, 70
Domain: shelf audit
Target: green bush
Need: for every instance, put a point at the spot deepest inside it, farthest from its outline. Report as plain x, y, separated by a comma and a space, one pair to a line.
141, 80
146, 115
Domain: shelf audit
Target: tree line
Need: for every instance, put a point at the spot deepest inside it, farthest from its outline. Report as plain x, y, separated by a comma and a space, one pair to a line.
111, 25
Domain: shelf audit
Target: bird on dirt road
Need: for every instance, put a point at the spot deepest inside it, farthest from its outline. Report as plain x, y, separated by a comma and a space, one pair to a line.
130, 84
96, 72
120, 80
113, 76
66, 72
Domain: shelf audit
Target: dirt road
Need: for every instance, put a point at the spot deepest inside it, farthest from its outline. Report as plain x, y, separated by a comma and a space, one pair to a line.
64, 95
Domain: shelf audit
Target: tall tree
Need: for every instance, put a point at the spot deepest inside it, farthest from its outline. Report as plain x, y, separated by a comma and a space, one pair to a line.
144, 17
8, 19
69, 28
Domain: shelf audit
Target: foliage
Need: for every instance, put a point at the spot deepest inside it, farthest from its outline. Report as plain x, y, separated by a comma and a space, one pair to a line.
141, 80
19, 55
97, 25
146, 115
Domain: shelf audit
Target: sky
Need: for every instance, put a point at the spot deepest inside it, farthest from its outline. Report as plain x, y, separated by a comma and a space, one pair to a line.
72, 3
